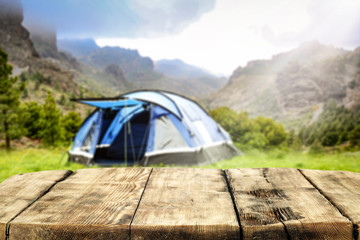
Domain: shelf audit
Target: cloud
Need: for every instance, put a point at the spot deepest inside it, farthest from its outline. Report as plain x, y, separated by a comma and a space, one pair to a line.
329, 21
218, 35
238, 31
336, 22
110, 18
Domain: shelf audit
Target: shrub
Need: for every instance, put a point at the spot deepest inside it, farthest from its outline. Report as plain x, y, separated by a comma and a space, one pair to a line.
71, 123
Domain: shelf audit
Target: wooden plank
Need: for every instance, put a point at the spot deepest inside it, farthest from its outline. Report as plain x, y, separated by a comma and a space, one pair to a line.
19, 191
186, 204
90, 204
282, 204
342, 189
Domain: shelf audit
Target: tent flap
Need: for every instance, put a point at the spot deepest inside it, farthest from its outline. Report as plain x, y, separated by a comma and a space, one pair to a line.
111, 103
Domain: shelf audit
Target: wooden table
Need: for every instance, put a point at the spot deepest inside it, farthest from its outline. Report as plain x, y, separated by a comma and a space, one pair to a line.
180, 203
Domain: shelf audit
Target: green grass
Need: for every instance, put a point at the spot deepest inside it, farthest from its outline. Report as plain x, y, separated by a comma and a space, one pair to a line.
347, 161
33, 160
42, 159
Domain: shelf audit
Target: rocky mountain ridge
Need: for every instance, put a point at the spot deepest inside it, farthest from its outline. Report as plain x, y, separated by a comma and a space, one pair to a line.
15, 41
84, 67
138, 70
293, 86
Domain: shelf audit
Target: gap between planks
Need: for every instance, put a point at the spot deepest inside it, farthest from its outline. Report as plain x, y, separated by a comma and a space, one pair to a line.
233, 201
331, 203
142, 194
8, 224
230, 190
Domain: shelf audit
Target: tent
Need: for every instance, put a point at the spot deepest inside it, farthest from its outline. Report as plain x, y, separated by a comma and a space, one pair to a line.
150, 127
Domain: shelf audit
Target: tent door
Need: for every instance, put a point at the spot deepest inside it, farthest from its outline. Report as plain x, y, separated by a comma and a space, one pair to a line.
130, 143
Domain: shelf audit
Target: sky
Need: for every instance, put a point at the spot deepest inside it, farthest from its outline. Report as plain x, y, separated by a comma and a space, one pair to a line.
217, 35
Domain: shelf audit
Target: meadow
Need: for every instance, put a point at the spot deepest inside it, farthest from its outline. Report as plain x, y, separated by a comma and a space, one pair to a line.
42, 159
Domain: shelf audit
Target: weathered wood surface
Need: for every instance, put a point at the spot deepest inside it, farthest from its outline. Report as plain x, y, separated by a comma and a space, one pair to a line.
173, 203
282, 204
18, 192
186, 204
90, 204
342, 189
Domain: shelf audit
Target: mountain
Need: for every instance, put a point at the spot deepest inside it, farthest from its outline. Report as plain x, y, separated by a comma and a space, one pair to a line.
139, 71
77, 47
98, 81
36, 59
15, 41
193, 75
178, 69
293, 86
136, 68
14, 38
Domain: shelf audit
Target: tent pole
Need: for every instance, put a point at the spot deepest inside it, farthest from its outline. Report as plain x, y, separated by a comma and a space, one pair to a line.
125, 137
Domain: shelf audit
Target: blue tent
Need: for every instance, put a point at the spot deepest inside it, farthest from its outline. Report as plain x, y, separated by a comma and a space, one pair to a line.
150, 127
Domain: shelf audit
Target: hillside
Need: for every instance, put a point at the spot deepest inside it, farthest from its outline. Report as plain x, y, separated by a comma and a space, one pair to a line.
293, 86
81, 68
40, 66
15, 40
178, 69
78, 48
139, 71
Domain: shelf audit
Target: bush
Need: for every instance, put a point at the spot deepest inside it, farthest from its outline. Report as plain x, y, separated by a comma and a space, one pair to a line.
330, 139
354, 137
258, 133
71, 123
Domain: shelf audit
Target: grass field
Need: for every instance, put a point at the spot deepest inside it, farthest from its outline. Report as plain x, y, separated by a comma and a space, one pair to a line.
42, 159
347, 161
33, 160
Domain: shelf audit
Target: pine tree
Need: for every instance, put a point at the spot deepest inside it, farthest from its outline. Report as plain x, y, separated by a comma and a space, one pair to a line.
71, 123
33, 119
9, 101
52, 132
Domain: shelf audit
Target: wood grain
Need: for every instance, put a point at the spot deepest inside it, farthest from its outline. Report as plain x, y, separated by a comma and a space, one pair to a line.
181, 204
90, 204
186, 204
282, 204
342, 189
19, 191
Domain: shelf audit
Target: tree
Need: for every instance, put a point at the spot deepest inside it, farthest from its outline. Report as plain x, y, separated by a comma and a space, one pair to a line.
52, 132
330, 139
274, 132
33, 119
71, 123
258, 133
355, 136
9, 100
